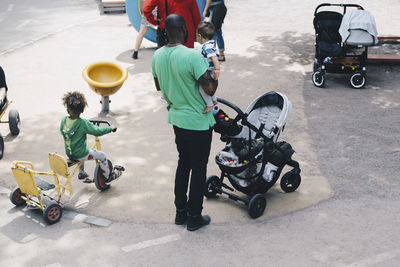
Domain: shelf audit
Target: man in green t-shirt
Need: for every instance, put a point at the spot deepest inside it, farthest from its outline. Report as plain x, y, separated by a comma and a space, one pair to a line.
177, 72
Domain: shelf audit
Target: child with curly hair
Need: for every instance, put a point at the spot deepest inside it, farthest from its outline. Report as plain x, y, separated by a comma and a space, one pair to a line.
74, 130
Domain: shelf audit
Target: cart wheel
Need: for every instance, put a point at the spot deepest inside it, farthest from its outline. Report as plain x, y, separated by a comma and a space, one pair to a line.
211, 183
1, 146
16, 198
318, 78
99, 179
290, 181
52, 213
257, 206
14, 122
357, 80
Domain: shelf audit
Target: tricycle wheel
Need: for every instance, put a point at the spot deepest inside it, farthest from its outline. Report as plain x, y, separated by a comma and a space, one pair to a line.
99, 180
14, 122
1, 146
211, 183
290, 181
257, 206
15, 197
52, 213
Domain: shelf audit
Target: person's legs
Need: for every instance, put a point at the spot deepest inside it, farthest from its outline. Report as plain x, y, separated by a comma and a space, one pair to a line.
183, 169
200, 144
101, 158
142, 31
219, 39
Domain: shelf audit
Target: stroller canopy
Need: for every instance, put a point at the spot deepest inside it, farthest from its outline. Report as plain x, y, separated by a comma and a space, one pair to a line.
358, 27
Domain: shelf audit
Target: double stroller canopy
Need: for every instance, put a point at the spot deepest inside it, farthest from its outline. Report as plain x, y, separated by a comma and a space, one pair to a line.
358, 27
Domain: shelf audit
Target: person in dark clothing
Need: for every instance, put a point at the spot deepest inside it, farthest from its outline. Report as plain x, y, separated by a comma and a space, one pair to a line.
216, 11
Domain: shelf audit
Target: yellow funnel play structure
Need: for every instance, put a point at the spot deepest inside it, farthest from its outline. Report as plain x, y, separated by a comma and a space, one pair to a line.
105, 79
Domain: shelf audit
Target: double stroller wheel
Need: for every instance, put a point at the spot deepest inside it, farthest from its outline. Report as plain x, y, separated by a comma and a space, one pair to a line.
211, 184
1, 146
257, 205
290, 181
318, 77
358, 80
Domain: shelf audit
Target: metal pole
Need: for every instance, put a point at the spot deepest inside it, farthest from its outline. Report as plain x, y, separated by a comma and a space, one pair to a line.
105, 105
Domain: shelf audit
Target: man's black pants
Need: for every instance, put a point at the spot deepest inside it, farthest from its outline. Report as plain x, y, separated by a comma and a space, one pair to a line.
194, 149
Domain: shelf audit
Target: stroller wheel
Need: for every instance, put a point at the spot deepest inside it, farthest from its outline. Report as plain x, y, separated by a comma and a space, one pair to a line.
257, 206
52, 213
357, 80
290, 181
318, 78
211, 183
1, 146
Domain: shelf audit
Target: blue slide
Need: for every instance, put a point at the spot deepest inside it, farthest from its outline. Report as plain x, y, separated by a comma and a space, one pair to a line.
134, 10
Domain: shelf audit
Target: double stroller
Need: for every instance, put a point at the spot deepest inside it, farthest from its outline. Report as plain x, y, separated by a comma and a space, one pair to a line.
253, 159
341, 42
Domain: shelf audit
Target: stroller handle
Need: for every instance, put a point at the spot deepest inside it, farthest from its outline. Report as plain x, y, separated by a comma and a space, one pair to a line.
231, 105
342, 5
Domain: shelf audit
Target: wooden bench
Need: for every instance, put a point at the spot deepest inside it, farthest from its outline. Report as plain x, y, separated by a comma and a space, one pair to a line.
111, 6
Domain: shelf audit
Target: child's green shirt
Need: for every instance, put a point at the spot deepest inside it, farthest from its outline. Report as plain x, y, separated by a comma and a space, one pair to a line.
74, 133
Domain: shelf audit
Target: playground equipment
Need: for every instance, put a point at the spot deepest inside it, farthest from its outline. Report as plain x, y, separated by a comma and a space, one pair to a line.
13, 123
46, 196
105, 79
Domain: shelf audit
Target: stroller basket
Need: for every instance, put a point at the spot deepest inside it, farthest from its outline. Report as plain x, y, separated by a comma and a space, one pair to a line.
229, 165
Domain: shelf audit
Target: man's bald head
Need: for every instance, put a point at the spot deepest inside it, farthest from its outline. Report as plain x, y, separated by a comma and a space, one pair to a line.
176, 28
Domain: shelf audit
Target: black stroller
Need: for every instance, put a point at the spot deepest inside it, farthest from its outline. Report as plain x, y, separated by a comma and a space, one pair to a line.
341, 43
252, 159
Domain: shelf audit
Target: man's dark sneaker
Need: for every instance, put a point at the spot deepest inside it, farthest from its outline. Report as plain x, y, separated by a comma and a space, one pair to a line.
135, 55
181, 217
196, 222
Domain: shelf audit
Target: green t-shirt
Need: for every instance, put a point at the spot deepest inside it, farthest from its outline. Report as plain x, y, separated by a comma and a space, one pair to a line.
177, 70
74, 133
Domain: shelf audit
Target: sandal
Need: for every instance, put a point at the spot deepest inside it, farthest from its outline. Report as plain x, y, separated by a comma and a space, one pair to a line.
83, 175
221, 58
88, 181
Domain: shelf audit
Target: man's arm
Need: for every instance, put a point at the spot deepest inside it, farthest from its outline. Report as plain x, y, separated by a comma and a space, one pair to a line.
157, 84
208, 83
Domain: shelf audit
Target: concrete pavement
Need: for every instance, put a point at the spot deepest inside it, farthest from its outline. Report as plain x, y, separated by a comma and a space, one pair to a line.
343, 214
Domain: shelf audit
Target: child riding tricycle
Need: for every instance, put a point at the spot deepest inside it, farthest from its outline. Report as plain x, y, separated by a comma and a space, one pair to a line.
40, 193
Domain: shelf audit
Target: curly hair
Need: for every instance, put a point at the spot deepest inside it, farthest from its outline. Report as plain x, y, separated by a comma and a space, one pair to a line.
75, 101
206, 29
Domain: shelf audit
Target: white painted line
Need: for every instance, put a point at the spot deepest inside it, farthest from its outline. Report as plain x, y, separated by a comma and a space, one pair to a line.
24, 23
74, 216
152, 242
98, 221
53, 265
4, 190
379, 258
